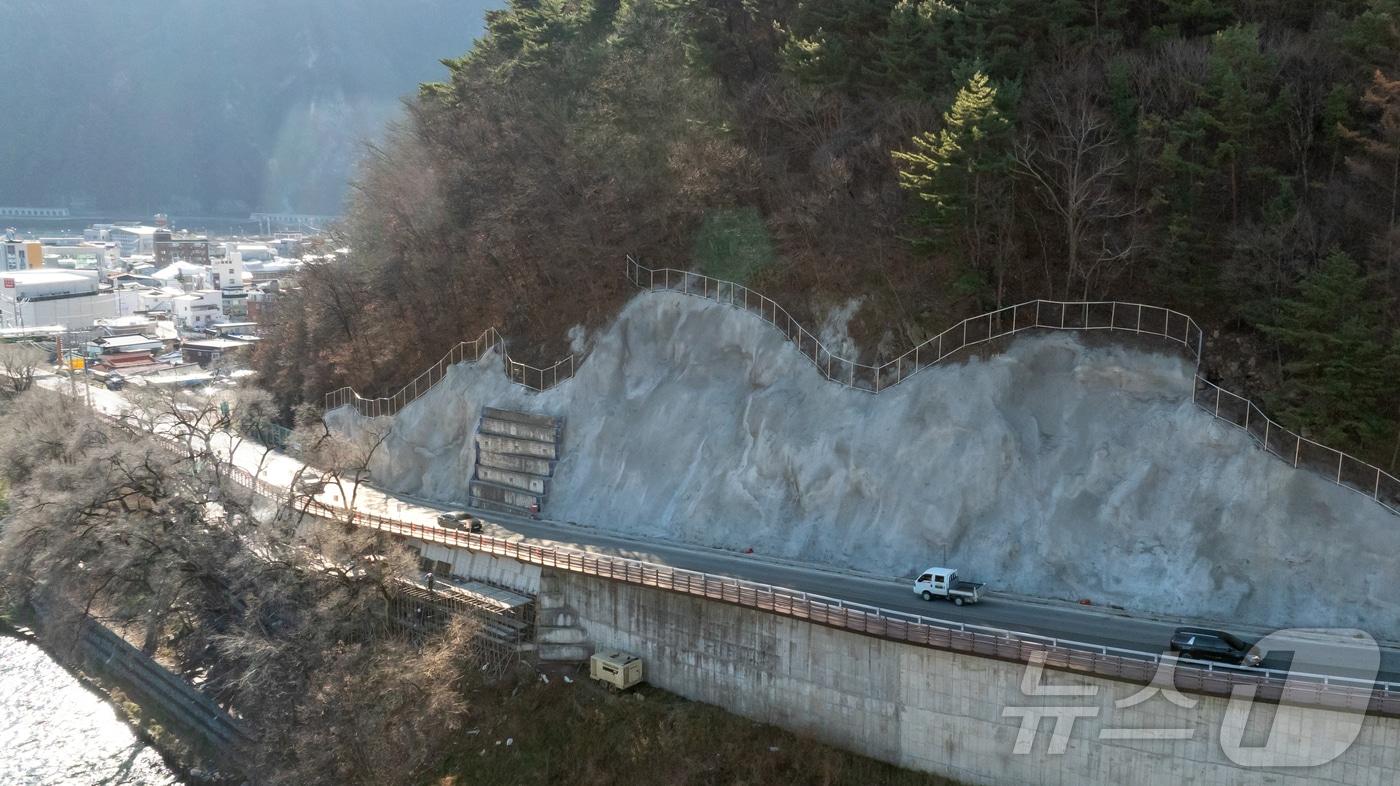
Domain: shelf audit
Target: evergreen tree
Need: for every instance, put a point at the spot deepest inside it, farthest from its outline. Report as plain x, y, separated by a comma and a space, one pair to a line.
1373, 36
1240, 76
1190, 18
831, 43
946, 168
913, 56
959, 175
1340, 371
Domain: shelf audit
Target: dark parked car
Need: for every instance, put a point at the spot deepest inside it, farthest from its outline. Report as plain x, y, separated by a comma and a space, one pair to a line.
1205, 644
459, 519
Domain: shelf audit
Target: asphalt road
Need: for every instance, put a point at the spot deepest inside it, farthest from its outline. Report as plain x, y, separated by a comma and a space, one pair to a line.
1061, 620
1056, 619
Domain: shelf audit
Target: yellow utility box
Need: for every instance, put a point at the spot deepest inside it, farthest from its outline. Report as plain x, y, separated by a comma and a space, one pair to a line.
617, 669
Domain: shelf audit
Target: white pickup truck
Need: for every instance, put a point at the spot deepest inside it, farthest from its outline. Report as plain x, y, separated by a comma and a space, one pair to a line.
944, 583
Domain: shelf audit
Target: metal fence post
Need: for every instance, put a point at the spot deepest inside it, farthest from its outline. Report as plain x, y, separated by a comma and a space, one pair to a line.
1217, 400
1340, 456
1298, 451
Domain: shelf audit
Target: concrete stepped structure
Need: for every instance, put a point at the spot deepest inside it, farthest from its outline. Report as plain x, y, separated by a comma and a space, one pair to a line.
515, 457
559, 638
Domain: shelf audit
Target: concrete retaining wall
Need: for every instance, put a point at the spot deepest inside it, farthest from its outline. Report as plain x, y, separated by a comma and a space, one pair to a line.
507, 428
526, 464
485, 568
937, 711
522, 447
504, 495
518, 480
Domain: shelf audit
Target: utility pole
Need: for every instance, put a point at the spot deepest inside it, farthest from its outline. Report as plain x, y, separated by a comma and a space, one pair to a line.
63, 361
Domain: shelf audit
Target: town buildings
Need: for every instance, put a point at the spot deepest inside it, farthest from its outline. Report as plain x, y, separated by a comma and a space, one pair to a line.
53, 297
19, 254
144, 300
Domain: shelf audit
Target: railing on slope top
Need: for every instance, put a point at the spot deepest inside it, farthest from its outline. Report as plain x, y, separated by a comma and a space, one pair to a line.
1031, 315
521, 373
1341, 468
1333, 692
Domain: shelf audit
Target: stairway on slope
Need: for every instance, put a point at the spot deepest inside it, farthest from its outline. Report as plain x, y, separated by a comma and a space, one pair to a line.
516, 453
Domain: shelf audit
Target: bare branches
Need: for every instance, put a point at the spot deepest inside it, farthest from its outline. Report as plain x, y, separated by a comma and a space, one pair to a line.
19, 364
1074, 161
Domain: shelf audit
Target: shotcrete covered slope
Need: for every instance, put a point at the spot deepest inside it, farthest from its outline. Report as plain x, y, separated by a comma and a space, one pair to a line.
1052, 469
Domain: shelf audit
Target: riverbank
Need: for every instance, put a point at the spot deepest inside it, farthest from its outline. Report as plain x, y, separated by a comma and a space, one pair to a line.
181, 761
58, 726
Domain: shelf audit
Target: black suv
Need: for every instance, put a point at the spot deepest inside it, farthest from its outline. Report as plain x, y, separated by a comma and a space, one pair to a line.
1205, 644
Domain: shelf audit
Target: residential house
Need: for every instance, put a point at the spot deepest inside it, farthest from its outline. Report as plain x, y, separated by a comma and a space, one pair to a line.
209, 350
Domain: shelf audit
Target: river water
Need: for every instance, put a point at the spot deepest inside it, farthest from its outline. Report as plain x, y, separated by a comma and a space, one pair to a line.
54, 732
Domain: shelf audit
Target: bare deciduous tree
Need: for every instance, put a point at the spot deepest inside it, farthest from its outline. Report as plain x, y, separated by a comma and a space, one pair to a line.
1073, 160
19, 364
288, 621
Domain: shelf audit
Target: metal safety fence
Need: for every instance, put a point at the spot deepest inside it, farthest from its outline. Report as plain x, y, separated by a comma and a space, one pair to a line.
1334, 465
1341, 468
532, 377
1321, 690
1085, 316
1032, 315
1308, 689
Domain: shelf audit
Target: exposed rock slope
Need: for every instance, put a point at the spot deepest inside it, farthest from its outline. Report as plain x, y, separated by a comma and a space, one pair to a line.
1053, 469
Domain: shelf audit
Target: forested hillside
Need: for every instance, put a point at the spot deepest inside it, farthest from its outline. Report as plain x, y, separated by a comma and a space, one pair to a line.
1239, 161
207, 108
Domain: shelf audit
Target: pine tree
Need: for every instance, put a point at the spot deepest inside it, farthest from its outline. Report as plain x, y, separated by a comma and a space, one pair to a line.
959, 175
832, 42
1340, 370
1190, 18
1238, 88
946, 167
913, 53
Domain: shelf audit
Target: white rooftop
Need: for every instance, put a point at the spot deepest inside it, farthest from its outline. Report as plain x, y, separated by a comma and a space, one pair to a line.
125, 341
175, 269
47, 276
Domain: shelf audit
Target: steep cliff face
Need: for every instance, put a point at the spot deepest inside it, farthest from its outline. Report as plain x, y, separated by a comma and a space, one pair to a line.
208, 108
1055, 469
